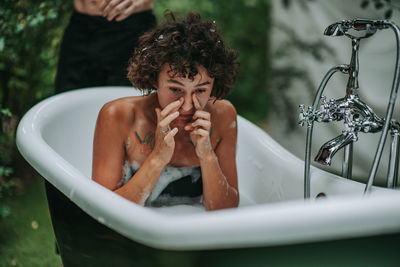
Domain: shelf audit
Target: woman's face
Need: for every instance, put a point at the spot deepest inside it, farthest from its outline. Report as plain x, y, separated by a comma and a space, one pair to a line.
172, 88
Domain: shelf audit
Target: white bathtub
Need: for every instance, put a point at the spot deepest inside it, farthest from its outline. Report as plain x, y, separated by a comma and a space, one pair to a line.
55, 137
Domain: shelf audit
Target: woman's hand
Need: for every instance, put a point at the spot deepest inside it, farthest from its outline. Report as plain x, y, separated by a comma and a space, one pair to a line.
200, 130
164, 137
121, 9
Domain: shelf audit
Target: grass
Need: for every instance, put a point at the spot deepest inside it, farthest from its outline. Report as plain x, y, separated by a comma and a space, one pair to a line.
26, 235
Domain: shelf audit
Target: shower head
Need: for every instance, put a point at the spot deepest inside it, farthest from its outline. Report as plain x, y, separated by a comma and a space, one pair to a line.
355, 29
334, 29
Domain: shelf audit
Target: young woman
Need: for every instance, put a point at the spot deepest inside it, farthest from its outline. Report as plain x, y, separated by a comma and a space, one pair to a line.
177, 143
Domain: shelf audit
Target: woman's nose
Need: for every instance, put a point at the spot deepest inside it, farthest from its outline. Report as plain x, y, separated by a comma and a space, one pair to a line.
188, 104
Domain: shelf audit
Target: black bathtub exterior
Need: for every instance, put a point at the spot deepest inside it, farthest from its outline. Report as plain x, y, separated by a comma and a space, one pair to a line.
82, 241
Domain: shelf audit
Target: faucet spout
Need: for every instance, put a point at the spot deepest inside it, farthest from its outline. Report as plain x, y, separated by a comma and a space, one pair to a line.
329, 149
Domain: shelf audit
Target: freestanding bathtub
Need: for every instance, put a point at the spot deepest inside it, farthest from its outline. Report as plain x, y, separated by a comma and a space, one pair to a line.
273, 225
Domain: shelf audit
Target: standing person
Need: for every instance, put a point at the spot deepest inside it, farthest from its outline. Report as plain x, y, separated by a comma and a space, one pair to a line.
98, 42
177, 143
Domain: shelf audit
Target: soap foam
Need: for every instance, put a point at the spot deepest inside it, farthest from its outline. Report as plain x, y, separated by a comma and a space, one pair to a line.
171, 174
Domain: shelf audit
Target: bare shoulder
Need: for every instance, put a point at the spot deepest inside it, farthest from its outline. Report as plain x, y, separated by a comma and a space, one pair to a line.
121, 109
223, 113
222, 109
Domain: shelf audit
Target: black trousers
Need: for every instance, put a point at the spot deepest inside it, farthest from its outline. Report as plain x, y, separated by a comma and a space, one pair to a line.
95, 51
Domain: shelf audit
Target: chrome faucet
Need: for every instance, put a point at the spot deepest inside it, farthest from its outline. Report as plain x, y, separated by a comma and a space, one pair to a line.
357, 115
328, 150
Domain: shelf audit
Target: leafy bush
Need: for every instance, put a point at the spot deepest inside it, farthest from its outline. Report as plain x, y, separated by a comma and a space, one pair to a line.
6, 141
30, 33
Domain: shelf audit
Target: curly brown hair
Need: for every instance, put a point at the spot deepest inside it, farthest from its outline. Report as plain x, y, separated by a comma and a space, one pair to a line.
184, 44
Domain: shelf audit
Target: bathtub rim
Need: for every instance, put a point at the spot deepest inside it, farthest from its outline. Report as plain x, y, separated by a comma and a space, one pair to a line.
221, 229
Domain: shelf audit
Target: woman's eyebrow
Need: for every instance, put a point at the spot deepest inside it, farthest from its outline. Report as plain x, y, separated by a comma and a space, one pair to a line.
205, 83
200, 84
175, 81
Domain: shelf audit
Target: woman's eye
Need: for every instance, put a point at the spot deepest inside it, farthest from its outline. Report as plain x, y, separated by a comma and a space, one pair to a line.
173, 89
199, 91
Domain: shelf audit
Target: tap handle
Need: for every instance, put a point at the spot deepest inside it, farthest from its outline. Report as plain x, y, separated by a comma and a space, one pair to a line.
329, 110
307, 115
351, 122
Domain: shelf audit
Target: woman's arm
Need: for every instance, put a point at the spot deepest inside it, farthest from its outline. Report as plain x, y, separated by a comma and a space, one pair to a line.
109, 145
218, 168
109, 151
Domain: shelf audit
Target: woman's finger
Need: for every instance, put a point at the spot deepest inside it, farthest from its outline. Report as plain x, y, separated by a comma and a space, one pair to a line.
196, 102
158, 111
109, 7
201, 114
169, 138
119, 10
123, 15
188, 127
104, 4
205, 124
164, 123
201, 132
135, 7
171, 107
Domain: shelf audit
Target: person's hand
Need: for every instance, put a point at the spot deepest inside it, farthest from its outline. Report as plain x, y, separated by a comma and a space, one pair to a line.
121, 9
200, 130
164, 137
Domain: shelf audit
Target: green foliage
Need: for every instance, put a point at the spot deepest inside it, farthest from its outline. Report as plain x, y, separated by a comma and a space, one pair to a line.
6, 189
6, 141
244, 25
30, 33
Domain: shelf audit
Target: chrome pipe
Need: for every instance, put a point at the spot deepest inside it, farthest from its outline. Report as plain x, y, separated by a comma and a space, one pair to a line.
389, 113
310, 124
393, 169
307, 180
347, 165
352, 84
